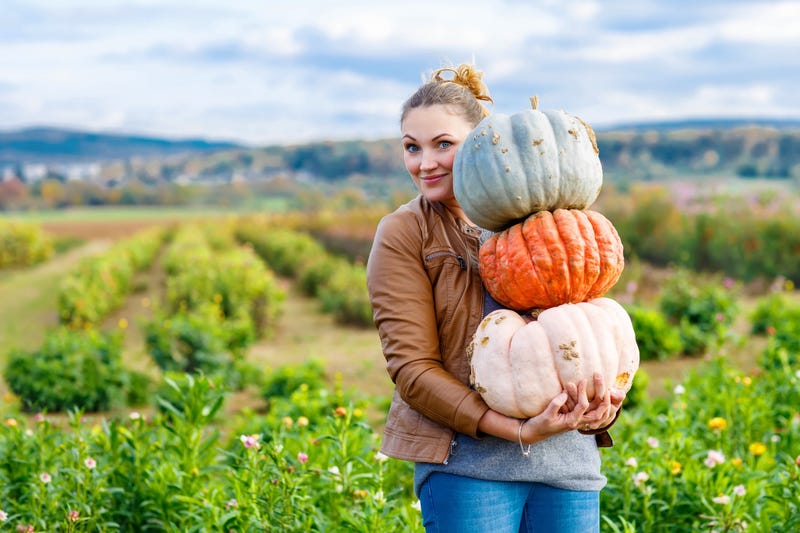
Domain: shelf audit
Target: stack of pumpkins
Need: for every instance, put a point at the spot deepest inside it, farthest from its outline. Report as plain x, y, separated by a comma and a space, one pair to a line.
530, 178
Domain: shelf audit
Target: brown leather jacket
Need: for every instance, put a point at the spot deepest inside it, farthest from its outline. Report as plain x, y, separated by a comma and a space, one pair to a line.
427, 301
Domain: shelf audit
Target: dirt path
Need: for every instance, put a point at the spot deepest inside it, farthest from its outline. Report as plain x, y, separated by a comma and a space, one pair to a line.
28, 298
303, 332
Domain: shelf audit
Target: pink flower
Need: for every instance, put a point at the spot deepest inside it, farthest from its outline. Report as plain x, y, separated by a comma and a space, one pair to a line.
303, 458
232, 504
3, 516
73, 516
90, 463
640, 478
652, 442
632, 462
714, 458
45, 478
728, 283
722, 499
250, 441
739, 490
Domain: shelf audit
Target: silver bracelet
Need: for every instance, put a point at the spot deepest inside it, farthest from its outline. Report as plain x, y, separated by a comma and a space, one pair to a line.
526, 452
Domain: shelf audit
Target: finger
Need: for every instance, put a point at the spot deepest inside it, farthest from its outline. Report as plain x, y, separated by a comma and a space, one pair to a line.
599, 385
617, 396
557, 403
572, 395
582, 398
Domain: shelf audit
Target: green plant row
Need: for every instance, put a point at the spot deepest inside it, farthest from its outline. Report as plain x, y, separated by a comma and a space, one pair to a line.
74, 368
314, 471
689, 318
339, 284
735, 236
219, 300
720, 453
23, 244
101, 283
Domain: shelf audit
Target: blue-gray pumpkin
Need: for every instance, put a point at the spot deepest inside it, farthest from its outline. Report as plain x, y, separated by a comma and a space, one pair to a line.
511, 166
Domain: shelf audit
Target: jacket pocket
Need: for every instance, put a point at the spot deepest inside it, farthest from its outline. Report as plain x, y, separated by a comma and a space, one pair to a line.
438, 258
446, 270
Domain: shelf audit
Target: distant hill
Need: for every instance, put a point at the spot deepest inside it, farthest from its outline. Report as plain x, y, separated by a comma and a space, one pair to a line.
705, 124
56, 145
747, 148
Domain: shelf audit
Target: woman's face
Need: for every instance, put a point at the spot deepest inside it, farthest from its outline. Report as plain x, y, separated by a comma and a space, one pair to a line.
430, 138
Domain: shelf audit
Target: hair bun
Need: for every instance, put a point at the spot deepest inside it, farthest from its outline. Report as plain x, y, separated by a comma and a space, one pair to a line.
465, 75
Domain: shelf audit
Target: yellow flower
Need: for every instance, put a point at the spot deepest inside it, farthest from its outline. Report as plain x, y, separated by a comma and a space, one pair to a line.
287, 422
717, 423
757, 448
11, 422
676, 468
747, 380
302, 421
123, 323
736, 461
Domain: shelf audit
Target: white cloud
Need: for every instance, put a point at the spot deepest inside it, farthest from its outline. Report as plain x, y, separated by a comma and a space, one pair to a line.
772, 24
285, 71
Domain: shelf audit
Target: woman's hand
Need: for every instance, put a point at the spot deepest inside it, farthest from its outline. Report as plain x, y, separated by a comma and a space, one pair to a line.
572, 410
558, 416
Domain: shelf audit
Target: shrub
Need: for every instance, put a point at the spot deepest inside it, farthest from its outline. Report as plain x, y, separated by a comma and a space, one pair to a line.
345, 295
656, 337
703, 313
72, 369
23, 244
191, 341
773, 312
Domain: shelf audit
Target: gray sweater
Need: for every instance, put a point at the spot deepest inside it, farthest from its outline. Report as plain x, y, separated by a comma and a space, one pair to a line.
568, 460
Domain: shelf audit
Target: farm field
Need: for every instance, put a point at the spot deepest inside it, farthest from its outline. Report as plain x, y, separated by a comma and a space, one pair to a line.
29, 297
312, 439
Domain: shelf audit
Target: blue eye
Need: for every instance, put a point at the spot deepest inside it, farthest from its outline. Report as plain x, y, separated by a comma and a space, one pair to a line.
444, 145
413, 148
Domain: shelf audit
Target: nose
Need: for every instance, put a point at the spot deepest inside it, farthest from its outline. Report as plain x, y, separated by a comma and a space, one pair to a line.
428, 162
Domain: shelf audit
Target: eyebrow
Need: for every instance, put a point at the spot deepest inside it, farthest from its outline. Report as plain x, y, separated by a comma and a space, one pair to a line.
437, 137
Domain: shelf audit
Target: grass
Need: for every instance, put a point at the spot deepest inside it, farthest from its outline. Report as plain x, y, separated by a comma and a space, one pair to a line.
137, 213
28, 301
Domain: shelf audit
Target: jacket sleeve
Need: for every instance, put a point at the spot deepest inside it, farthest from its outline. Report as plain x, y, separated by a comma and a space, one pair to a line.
404, 312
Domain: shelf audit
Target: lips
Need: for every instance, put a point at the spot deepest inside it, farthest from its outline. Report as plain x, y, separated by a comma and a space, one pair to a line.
432, 179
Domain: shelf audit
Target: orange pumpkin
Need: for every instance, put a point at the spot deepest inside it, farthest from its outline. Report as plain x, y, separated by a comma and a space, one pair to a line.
552, 258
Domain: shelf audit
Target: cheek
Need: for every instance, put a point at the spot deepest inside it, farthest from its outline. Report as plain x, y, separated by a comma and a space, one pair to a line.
412, 163
447, 160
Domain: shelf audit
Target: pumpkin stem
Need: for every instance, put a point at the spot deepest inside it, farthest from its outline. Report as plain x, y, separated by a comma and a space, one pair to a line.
534, 102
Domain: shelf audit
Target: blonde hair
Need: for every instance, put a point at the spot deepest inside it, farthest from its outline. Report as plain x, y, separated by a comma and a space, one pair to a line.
461, 87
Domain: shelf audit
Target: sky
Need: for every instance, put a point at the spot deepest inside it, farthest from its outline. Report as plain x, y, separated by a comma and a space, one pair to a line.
284, 72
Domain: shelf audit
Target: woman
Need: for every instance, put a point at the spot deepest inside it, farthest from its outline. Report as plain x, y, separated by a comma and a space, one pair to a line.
475, 469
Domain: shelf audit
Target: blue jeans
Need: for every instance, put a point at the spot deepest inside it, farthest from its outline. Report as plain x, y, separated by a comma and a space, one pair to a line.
453, 503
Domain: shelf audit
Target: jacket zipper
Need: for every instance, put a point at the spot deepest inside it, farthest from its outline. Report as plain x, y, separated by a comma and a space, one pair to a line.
452, 451
461, 260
